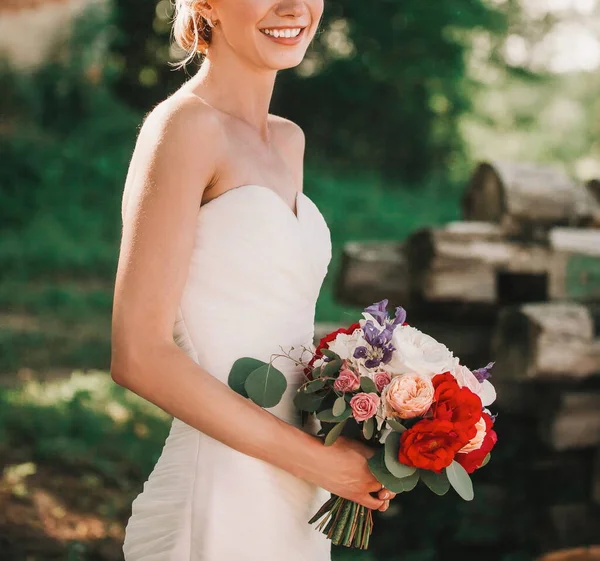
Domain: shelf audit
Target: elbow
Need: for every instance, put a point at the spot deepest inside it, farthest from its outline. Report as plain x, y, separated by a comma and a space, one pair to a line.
125, 365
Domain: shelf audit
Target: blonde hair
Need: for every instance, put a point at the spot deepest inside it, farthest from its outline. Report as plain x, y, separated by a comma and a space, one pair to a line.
190, 30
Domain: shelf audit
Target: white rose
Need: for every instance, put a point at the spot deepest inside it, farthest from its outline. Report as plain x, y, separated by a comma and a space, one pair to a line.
466, 378
344, 344
419, 353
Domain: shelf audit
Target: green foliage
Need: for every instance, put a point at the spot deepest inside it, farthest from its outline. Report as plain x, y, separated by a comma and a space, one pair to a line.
84, 423
266, 385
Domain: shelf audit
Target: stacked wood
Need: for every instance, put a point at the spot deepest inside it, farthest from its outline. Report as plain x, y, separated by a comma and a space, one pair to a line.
574, 423
371, 271
547, 341
591, 553
596, 478
527, 199
474, 264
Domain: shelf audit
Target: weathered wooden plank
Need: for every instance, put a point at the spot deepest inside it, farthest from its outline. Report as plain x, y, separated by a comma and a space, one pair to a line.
371, 271
589, 553
526, 198
574, 423
546, 341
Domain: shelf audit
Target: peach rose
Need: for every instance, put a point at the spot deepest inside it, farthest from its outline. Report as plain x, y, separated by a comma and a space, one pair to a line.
364, 406
408, 396
347, 381
476, 442
381, 379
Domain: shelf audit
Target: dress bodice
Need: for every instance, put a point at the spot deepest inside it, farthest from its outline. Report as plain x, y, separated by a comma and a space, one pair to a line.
254, 277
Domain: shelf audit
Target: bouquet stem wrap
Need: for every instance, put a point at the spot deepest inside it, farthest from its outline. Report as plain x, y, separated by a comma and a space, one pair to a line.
345, 522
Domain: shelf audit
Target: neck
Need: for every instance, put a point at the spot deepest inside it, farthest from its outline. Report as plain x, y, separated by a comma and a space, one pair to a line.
232, 85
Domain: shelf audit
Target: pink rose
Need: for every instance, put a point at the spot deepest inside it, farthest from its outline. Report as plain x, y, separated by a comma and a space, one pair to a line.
476, 442
364, 406
347, 381
381, 379
408, 396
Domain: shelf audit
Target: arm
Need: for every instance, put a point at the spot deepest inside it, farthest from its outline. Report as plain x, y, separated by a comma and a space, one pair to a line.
177, 153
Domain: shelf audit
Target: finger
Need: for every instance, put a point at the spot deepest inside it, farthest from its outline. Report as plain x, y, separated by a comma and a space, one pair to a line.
370, 502
384, 506
386, 494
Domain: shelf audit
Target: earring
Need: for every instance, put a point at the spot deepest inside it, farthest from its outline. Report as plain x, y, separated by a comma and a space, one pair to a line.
209, 22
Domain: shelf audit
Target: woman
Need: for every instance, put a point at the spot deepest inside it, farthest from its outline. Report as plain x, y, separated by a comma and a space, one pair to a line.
223, 256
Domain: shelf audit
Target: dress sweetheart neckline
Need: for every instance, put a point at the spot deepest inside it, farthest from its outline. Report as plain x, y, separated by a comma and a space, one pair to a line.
295, 215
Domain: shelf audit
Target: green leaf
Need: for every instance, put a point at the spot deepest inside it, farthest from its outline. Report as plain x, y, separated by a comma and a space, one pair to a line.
266, 386
378, 469
314, 386
330, 354
396, 425
369, 428
334, 433
367, 385
339, 406
332, 367
308, 401
240, 371
486, 460
328, 416
437, 482
391, 448
460, 480
316, 372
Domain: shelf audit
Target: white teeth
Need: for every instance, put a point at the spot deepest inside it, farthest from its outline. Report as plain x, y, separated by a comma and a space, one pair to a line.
282, 32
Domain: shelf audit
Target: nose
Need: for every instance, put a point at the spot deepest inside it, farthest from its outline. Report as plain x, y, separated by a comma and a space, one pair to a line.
294, 8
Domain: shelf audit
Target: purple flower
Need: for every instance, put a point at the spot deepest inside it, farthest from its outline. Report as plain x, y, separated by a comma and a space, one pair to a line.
482, 374
379, 312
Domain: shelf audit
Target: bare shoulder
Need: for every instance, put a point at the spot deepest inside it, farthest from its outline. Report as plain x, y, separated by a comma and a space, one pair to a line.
289, 134
179, 146
183, 115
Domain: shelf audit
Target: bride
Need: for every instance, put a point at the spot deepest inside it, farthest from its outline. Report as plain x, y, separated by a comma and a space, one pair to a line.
223, 256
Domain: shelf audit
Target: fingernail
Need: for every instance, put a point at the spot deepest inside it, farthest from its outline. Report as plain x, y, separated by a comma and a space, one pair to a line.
386, 495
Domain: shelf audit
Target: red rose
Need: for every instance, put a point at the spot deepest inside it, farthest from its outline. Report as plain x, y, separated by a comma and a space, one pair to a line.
458, 405
429, 444
474, 459
324, 342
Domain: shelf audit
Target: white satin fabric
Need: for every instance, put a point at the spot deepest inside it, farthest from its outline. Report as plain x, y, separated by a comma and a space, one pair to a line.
254, 277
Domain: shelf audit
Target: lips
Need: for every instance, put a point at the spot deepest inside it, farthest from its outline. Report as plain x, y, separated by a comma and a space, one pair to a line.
284, 35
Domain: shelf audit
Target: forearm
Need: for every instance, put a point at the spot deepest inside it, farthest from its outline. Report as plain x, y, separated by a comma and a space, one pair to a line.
170, 379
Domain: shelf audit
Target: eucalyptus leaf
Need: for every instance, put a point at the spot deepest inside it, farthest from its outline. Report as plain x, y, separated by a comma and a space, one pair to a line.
367, 385
460, 480
333, 434
396, 425
314, 386
266, 386
379, 470
330, 354
308, 401
316, 372
240, 371
328, 416
339, 406
391, 449
437, 482
332, 367
369, 428
486, 460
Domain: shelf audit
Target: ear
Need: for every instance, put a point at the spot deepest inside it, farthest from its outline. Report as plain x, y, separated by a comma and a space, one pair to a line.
207, 11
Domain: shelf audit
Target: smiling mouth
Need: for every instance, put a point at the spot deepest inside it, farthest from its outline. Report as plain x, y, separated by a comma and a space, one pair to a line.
283, 33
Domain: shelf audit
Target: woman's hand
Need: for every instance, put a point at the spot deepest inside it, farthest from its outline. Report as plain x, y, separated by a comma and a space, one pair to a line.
348, 475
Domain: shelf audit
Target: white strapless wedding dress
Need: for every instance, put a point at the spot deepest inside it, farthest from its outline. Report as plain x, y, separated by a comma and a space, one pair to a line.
254, 277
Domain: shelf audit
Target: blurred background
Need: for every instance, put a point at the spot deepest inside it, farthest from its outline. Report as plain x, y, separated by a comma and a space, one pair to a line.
454, 150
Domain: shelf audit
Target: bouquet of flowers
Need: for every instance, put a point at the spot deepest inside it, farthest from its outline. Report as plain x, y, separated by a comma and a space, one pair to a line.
399, 390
